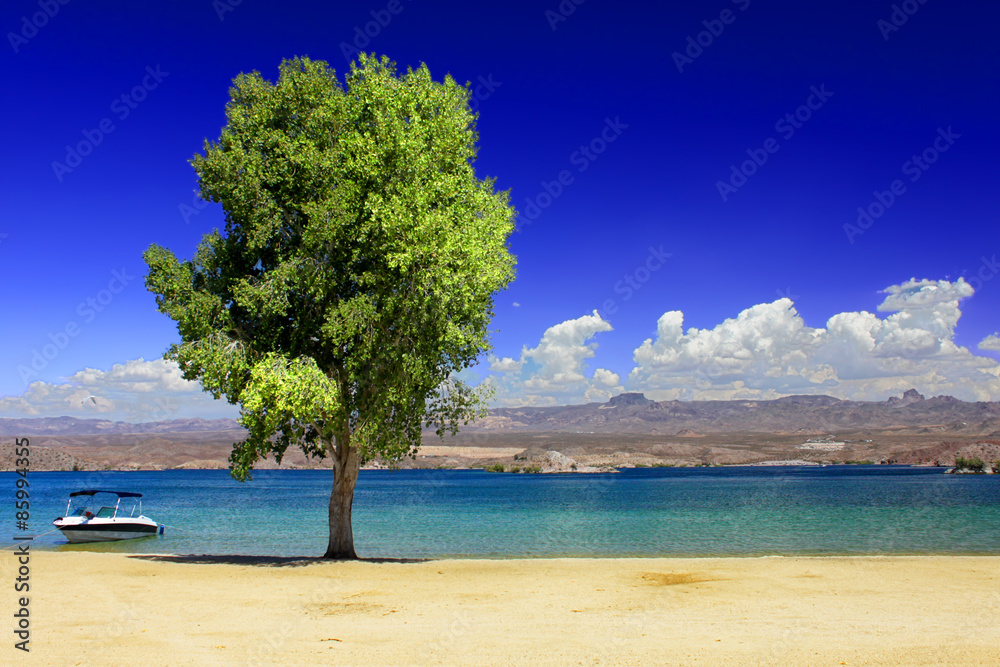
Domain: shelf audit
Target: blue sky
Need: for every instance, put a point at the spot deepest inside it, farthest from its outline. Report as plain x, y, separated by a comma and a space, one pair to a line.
714, 157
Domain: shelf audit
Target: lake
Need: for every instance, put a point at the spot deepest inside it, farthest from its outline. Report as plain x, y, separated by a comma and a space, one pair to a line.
724, 511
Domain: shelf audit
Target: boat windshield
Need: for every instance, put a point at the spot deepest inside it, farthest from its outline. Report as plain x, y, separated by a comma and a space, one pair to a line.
103, 505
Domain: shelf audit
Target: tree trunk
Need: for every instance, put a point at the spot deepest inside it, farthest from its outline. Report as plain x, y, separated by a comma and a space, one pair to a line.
345, 476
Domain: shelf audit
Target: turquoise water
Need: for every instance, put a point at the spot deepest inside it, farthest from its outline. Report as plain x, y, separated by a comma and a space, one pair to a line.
643, 512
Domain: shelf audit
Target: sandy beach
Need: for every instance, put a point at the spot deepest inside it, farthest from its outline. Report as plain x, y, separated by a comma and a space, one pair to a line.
112, 609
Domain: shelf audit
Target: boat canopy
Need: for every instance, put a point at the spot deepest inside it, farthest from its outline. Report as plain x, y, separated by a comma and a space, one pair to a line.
120, 494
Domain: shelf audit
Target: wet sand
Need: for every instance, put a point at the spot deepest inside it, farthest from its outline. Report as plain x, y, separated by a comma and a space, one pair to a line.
112, 609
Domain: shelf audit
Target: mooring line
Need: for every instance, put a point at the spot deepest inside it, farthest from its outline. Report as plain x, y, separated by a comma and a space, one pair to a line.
33, 537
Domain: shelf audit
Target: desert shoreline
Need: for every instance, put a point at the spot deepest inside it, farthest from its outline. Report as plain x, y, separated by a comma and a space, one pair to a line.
120, 609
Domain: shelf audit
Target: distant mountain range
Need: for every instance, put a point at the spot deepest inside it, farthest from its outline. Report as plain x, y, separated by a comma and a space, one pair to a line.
634, 413
74, 426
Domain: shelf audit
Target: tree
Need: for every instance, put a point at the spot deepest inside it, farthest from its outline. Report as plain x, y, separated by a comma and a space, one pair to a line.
973, 464
357, 270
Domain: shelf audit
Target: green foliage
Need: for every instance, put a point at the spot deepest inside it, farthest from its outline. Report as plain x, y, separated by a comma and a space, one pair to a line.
975, 464
499, 467
860, 462
358, 266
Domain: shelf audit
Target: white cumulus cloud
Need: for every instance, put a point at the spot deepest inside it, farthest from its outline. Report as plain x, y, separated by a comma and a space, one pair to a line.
606, 378
768, 351
136, 391
554, 371
991, 343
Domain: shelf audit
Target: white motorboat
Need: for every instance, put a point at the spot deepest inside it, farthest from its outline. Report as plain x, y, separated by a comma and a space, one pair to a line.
98, 516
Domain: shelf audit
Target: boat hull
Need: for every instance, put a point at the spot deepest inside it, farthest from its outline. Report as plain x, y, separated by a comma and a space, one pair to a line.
107, 531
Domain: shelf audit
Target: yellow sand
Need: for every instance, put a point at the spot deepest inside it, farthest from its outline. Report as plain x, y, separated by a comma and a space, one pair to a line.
470, 452
111, 609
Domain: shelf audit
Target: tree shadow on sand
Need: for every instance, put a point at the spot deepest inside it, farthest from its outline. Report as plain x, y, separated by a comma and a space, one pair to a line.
265, 561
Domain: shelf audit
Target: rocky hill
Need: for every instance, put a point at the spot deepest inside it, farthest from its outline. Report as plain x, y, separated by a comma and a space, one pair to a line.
634, 413
74, 426
41, 458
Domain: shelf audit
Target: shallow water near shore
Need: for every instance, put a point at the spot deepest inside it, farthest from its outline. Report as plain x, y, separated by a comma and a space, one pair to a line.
727, 511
